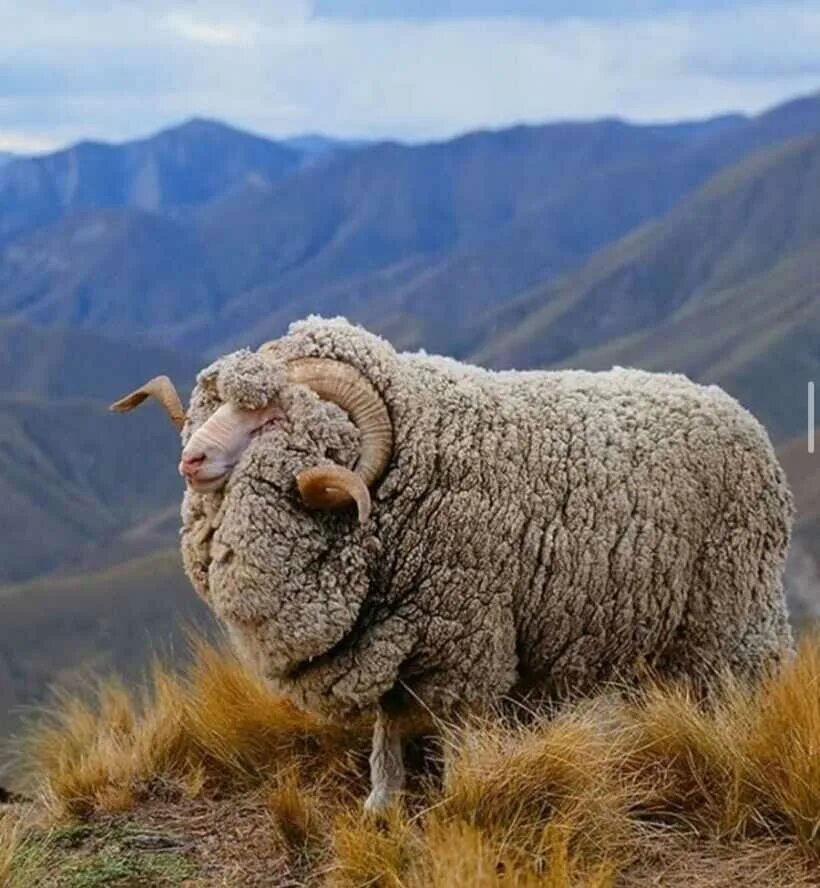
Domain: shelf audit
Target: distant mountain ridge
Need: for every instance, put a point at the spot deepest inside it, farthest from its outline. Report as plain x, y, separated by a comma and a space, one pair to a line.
184, 165
565, 243
395, 236
362, 211
314, 147
694, 132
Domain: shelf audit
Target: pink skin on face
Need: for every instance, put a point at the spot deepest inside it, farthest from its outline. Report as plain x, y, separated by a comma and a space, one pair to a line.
217, 445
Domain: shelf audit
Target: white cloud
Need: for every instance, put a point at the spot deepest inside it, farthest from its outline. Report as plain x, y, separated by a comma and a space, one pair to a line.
27, 143
237, 24
115, 70
209, 33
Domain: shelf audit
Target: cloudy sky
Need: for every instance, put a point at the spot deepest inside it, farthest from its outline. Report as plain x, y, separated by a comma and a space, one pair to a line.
410, 69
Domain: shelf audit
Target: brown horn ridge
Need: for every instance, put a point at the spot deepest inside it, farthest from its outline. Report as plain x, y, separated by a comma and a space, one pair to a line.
330, 487
161, 388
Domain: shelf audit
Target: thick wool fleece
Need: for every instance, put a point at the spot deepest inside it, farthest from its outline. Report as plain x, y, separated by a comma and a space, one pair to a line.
533, 532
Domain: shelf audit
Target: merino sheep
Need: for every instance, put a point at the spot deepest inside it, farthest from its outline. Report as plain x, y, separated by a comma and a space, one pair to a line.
529, 532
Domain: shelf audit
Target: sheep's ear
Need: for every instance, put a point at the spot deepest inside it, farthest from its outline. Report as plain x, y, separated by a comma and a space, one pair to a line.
161, 388
332, 487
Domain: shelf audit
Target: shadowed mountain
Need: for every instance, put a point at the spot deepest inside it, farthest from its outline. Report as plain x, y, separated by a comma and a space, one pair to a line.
696, 132
547, 197
185, 165
63, 364
120, 272
328, 237
339, 235
790, 120
258, 249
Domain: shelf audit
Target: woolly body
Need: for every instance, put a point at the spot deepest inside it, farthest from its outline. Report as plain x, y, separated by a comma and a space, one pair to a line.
534, 532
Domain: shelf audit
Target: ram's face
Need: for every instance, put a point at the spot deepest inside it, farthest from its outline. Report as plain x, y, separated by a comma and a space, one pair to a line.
217, 445
242, 396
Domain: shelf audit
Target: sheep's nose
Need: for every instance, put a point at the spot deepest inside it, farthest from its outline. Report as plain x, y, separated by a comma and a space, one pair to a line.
190, 465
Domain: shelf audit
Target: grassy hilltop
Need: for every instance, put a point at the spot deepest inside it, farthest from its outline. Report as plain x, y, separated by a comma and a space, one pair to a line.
205, 779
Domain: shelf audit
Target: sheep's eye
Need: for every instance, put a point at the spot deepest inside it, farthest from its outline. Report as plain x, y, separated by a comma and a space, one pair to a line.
267, 425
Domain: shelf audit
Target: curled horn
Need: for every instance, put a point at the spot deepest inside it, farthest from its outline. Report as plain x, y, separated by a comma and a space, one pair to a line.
161, 388
331, 487
328, 487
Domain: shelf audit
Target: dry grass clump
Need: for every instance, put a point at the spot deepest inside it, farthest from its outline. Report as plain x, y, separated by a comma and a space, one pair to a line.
746, 766
657, 789
544, 799
214, 728
11, 839
20, 857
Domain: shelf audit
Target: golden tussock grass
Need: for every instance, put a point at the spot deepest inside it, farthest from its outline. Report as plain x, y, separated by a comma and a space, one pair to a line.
20, 857
609, 791
11, 839
213, 726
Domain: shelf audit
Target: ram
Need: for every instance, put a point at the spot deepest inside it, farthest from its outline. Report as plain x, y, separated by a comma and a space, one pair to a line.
382, 531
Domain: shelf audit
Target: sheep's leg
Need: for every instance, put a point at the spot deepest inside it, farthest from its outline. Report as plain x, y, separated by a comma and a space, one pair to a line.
386, 765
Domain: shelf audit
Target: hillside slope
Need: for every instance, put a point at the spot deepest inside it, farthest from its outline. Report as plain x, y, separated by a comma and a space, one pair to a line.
463, 226
64, 364
725, 288
58, 630
72, 477
150, 272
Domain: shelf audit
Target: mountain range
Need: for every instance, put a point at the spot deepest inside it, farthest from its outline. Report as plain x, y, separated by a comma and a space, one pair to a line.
691, 247
391, 235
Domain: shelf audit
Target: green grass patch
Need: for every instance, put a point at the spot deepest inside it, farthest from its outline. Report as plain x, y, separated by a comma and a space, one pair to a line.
112, 866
